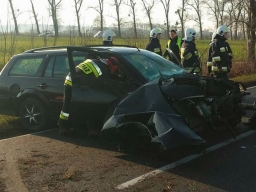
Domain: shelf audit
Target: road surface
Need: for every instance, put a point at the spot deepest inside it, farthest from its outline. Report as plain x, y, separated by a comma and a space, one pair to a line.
48, 162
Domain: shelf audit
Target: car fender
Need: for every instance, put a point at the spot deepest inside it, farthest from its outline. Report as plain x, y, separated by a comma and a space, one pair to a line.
30, 93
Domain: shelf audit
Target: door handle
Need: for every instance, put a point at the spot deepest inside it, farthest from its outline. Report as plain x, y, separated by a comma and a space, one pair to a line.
43, 86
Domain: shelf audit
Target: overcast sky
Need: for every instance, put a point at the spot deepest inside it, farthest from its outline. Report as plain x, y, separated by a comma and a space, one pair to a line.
67, 13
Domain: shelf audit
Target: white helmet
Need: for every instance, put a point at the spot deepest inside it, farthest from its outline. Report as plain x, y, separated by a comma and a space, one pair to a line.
189, 34
222, 29
154, 32
108, 35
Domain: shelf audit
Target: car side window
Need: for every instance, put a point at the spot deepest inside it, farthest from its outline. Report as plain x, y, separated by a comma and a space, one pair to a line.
61, 67
58, 67
26, 66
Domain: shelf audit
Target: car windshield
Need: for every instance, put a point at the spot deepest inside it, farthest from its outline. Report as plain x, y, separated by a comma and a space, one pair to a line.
152, 66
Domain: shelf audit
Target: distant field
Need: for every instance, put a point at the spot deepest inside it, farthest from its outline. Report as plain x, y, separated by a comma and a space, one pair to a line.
19, 44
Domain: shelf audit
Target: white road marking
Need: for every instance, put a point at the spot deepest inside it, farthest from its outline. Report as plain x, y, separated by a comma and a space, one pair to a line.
181, 161
36, 133
251, 87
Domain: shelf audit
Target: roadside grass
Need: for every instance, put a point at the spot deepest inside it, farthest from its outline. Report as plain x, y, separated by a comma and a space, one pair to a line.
10, 127
248, 80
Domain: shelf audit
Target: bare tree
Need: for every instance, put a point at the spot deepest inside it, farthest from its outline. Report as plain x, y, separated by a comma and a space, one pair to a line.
196, 5
14, 16
132, 4
251, 29
78, 4
236, 7
217, 8
148, 6
35, 17
117, 4
181, 15
166, 5
100, 10
54, 7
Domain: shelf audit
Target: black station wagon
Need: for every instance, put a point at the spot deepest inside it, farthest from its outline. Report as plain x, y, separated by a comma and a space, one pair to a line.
150, 99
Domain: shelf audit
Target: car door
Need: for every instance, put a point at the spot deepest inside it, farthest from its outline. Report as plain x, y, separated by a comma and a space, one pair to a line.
51, 83
92, 97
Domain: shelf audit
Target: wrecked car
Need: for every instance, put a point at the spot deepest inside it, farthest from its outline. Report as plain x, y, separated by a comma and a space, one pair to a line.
153, 101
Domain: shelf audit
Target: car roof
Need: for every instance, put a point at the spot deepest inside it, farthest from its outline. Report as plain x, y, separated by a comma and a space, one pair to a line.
63, 49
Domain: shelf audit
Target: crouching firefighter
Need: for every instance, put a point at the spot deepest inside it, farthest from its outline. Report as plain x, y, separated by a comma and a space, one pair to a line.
221, 53
91, 67
189, 54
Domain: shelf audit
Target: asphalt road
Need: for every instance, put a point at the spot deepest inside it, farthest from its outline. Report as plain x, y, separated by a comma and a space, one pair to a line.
49, 162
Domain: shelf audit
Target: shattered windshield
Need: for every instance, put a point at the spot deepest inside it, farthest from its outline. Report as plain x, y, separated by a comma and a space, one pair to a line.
151, 65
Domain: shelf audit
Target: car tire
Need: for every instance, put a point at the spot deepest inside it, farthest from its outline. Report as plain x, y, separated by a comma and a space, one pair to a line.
33, 115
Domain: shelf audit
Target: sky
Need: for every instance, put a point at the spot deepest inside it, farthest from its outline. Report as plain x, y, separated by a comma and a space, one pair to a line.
68, 17
67, 13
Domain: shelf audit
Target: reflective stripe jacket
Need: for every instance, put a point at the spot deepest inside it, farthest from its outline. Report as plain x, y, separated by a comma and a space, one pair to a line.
154, 46
189, 54
174, 45
221, 55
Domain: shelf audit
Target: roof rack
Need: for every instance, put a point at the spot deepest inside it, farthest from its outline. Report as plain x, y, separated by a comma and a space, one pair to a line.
44, 48
88, 46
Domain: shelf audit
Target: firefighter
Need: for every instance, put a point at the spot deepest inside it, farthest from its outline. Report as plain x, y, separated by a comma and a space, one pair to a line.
154, 41
173, 44
98, 68
209, 60
221, 53
189, 54
108, 37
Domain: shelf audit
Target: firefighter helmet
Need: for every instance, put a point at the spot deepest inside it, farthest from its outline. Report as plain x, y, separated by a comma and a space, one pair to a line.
154, 32
190, 34
222, 30
108, 35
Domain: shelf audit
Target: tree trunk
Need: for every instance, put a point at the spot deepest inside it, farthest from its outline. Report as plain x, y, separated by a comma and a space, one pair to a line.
14, 18
35, 17
118, 22
251, 28
101, 21
134, 24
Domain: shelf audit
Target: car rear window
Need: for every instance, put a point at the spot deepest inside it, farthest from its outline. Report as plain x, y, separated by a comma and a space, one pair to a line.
26, 66
58, 66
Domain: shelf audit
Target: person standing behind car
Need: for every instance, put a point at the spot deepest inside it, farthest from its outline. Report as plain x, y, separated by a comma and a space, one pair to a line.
154, 41
173, 44
189, 54
209, 59
221, 53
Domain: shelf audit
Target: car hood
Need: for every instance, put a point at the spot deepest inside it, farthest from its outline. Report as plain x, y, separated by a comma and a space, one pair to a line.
145, 114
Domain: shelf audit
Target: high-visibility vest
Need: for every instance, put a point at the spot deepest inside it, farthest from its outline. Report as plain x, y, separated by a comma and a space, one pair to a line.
178, 43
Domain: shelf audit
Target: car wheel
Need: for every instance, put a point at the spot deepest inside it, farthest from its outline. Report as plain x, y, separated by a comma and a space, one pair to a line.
33, 115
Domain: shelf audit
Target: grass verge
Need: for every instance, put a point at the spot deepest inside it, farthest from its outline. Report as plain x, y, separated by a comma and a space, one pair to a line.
10, 127
248, 80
